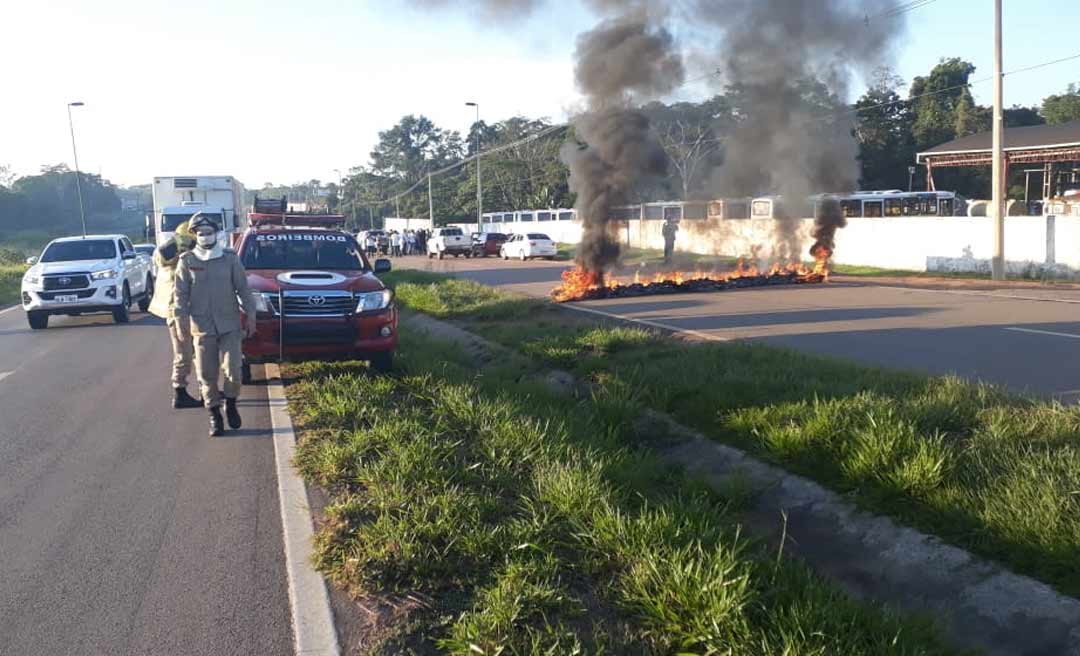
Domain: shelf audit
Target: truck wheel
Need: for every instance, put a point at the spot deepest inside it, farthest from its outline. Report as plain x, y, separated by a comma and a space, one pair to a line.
440, 255
504, 255
122, 313
521, 256
144, 302
37, 320
467, 255
383, 362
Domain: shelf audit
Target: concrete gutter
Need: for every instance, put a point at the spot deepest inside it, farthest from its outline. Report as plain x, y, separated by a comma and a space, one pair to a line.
979, 604
314, 633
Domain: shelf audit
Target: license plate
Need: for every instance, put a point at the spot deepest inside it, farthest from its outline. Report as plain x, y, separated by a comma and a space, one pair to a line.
67, 298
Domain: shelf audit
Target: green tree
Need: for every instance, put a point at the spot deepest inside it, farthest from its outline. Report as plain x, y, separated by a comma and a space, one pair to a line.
936, 98
1019, 117
1062, 108
883, 130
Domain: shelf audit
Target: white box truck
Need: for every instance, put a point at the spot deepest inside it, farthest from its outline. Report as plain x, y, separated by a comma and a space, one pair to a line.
177, 198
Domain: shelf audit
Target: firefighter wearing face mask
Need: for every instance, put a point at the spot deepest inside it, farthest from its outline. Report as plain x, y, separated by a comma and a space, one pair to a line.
163, 304
211, 290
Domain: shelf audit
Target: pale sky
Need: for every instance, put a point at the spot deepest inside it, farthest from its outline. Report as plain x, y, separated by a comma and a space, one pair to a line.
278, 91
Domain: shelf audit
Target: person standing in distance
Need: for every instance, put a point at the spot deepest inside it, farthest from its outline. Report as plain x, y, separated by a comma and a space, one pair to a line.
211, 289
163, 304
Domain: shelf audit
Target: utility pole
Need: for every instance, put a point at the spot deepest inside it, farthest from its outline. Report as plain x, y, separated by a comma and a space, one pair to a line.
997, 265
78, 184
910, 177
479, 192
430, 203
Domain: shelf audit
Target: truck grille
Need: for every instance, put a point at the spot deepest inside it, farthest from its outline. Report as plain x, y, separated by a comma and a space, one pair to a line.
185, 183
66, 281
315, 304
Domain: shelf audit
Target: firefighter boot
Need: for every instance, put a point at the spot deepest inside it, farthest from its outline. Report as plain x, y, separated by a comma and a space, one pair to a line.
232, 413
217, 424
181, 399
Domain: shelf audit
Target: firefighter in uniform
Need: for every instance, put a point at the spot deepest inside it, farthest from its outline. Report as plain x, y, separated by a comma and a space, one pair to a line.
163, 305
211, 289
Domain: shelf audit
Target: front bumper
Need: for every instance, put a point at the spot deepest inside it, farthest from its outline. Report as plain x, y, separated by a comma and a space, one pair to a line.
101, 298
309, 337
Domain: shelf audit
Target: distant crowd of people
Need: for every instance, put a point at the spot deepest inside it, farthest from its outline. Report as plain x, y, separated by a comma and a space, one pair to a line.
395, 243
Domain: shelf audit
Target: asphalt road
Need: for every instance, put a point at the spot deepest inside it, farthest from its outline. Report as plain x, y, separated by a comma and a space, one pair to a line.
124, 529
1030, 344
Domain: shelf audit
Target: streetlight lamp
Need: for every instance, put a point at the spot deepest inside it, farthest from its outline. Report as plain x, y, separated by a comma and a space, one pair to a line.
479, 192
78, 185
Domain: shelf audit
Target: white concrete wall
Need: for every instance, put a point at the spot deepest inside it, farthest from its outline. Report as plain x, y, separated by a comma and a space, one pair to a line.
399, 224
1033, 244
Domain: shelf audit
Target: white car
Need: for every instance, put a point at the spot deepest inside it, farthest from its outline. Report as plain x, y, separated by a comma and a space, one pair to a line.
528, 245
86, 275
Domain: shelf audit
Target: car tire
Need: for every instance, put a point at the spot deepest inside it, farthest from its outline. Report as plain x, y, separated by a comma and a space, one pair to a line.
504, 255
37, 320
439, 256
468, 255
122, 312
144, 302
383, 362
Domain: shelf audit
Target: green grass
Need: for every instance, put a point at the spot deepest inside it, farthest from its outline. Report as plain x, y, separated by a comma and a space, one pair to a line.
986, 470
859, 270
535, 523
632, 257
12, 267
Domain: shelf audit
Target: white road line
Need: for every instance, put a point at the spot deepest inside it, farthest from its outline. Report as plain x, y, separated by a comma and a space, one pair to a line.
653, 324
312, 619
10, 309
1044, 332
1014, 297
5, 374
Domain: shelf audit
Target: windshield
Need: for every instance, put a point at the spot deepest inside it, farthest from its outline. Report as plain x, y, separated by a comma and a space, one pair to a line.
170, 221
145, 250
302, 250
70, 251
537, 235
451, 232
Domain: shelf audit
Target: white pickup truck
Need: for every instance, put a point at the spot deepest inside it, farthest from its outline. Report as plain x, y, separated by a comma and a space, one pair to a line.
449, 241
86, 275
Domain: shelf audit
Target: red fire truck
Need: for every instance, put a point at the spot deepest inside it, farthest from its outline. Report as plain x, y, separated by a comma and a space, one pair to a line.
317, 293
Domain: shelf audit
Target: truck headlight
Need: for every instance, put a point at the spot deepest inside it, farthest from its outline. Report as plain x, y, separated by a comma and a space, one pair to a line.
103, 275
31, 278
262, 304
372, 301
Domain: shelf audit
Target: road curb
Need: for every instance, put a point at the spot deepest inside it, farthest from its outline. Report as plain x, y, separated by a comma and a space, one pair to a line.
312, 620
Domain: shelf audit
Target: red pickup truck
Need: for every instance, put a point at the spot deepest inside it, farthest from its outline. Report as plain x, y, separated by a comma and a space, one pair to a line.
317, 293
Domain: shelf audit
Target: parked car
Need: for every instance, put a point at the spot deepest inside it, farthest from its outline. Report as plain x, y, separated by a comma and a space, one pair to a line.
317, 293
448, 241
487, 243
147, 251
86, 275
528, 245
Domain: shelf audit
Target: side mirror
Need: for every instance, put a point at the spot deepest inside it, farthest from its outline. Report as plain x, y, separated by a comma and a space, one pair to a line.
31, 261
382, 265
128, 255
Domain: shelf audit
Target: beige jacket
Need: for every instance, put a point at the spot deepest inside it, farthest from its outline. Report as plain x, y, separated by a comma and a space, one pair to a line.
212, 292
164, 302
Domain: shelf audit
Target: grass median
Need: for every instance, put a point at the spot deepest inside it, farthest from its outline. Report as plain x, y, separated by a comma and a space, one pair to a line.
536, 523
989, 471
12, 268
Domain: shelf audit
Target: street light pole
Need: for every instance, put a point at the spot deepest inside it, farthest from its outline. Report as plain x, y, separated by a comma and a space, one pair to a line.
479, 191
75, 153
910, 177
997, 264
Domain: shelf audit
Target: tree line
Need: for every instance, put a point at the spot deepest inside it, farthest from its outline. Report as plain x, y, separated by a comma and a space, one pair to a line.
47, 204
888, 127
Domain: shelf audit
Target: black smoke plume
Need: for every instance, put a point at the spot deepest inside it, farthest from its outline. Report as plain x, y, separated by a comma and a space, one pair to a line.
788, 66
619, 63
